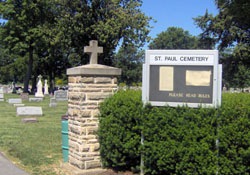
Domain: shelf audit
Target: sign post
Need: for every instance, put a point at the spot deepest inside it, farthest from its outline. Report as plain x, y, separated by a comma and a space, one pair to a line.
182, 77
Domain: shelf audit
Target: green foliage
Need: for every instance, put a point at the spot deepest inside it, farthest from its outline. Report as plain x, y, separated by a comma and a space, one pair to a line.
110, 22
174, 38
52, 34
24, 32
230, 29
234, 134
178, 140
230, 25
119, 130
129, 59
235, 69
242, 76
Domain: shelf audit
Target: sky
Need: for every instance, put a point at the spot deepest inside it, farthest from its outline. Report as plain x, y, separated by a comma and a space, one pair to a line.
176, 13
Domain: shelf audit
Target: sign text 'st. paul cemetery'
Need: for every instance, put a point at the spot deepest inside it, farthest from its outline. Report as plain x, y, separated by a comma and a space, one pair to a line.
182, 77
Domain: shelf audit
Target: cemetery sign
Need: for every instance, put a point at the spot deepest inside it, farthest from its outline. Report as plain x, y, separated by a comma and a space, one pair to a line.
182, 77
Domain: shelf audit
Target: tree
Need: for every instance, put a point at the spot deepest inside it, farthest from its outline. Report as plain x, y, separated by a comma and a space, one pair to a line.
242, 76
130, 59
174, 38
230, 29
53, 33
109, 21
22, 34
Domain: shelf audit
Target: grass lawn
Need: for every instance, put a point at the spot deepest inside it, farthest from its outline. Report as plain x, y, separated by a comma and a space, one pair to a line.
36, 147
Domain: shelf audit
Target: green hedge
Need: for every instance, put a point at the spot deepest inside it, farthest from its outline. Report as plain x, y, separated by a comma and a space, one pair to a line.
119, 130
178, 140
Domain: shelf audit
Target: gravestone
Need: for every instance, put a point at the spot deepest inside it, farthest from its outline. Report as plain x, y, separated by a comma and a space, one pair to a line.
13, 88
1, 97
36, 99
29, 111
46, 88
5, 89
224, 88
52, 102
24, 96
39, 87
61, 95
29, 120
18, 104
1, 94
14, 100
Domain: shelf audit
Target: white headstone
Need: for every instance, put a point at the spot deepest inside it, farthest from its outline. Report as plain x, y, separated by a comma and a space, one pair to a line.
18, 105
39, 87
29, 111
46, 88
14, 100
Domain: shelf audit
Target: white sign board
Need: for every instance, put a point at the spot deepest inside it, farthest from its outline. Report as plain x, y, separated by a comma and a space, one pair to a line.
182, 77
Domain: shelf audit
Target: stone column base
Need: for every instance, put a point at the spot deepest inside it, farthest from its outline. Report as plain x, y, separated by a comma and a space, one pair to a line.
72, 170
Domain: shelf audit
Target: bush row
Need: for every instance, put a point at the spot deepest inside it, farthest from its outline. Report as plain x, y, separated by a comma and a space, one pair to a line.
178, 140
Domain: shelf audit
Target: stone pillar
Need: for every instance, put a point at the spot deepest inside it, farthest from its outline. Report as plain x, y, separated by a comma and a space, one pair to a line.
89, 85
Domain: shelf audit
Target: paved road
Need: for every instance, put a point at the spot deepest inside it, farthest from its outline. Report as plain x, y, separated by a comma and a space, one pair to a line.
8, 168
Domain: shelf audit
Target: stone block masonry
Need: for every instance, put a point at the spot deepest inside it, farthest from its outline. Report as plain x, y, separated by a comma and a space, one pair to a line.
87, 89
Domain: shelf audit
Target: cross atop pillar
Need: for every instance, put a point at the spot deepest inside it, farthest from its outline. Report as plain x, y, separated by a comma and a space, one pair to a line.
93, 51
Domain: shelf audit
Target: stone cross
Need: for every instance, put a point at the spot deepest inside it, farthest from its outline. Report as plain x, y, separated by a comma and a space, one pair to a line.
93, 50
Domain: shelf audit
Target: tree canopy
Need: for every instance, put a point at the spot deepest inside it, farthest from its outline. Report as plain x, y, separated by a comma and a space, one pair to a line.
231, 26
174, 38
50, 35
109, 21
230, 29
129, 58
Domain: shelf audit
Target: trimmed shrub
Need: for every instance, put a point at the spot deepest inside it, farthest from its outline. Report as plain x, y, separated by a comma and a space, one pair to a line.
178, 140
119, 130
234, 134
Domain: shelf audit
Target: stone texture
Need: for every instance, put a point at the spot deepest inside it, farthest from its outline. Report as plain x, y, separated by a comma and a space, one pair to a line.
14, 100
89, 85
94, 69
29, 120
18, 105
29, 111
36, 99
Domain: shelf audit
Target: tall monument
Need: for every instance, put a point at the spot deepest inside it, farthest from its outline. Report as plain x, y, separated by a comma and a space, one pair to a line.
88, 86
39, 87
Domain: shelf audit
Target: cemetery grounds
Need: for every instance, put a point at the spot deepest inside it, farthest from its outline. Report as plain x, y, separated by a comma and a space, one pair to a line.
35, 147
